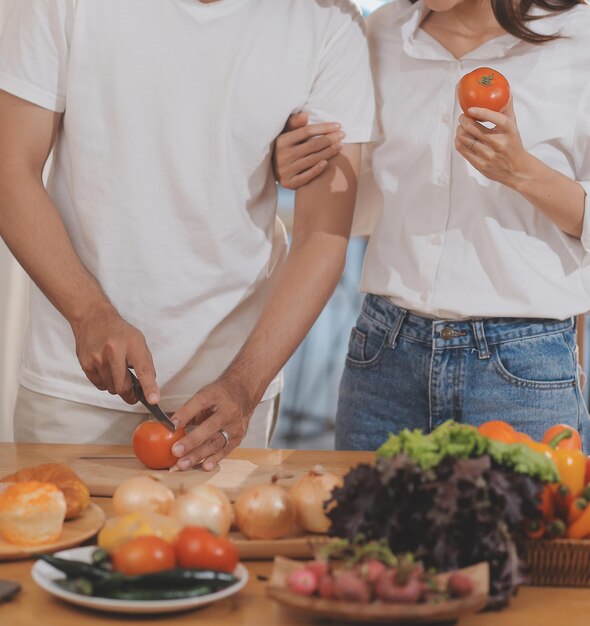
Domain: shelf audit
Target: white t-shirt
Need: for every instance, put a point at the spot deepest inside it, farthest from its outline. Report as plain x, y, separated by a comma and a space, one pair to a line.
449, 242
162, 170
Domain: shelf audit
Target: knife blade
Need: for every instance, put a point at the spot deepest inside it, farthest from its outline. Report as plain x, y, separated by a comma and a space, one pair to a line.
154, 409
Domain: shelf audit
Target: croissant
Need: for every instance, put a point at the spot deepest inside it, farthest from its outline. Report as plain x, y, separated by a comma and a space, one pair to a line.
65, 479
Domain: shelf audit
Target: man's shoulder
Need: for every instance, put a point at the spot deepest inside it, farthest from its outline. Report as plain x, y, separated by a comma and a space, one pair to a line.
389, 15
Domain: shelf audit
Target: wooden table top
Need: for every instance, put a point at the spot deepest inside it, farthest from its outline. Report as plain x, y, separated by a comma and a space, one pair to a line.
533, 606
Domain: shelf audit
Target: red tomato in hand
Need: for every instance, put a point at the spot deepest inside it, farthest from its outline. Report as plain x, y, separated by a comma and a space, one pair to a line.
152, 444
484, 88
144, 555
197, 548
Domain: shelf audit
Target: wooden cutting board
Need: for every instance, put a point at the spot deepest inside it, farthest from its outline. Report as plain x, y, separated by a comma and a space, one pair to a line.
103, 475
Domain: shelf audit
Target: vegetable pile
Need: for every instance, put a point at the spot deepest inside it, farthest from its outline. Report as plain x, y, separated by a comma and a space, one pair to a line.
370, 571
564, 503
150, 568
100, 580
453, 498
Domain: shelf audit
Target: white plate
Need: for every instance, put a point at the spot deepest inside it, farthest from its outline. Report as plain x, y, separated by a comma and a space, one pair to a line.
45, 576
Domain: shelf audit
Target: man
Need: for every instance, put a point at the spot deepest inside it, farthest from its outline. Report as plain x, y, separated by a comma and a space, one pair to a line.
155, 242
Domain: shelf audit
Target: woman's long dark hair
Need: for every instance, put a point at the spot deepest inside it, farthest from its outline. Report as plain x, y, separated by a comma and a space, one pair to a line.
513, 16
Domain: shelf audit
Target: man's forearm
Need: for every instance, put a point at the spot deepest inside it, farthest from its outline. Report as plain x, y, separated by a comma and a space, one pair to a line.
323, 217
33, 230
560, 198
304, 286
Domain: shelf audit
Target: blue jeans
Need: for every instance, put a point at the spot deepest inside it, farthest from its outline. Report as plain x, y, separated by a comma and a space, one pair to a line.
408, 371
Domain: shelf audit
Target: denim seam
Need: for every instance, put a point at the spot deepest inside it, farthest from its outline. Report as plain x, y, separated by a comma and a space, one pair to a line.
547, 333
354, 363
380, 323
415, 339
532, 384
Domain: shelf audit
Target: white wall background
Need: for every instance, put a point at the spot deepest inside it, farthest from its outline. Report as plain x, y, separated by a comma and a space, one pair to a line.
14, 290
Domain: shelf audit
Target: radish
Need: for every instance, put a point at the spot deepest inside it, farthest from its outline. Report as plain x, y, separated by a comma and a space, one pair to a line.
302, 582
327, 587
389, 590
459, 585
349, 586
372, 570
319, 567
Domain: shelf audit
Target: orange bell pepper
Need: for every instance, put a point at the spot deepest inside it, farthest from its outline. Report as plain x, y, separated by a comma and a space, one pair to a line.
571, 464
547, 503
570, 437
580, 529
577, 507
498, 431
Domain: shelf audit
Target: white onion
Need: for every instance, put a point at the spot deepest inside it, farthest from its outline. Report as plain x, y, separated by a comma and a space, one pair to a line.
205, 506
142, 493
265, 511
309, 495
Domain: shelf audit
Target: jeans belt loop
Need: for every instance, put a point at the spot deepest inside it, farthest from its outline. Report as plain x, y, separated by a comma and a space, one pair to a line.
400, 316
480, 339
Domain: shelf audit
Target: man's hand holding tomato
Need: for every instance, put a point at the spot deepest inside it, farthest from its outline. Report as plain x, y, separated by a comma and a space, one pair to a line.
498, 153
222, 405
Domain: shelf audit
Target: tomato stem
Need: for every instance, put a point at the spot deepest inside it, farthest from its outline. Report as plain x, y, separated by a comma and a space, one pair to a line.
486, 80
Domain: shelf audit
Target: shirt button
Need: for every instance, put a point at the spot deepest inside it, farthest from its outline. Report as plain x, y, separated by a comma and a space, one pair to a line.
423, 297
436, 240
446, 118
442, 180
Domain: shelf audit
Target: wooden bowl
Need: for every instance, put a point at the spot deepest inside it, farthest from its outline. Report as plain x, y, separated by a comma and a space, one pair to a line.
379, 612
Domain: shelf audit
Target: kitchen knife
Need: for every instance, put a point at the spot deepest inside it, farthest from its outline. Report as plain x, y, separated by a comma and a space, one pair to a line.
154, 409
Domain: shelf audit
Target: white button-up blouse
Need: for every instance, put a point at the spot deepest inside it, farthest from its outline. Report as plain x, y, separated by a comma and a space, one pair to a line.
447, 241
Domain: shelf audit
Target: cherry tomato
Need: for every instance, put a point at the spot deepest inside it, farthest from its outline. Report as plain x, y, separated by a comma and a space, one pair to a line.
498, 431
197, 548
484, 88
144, 555
571, 443
152, 444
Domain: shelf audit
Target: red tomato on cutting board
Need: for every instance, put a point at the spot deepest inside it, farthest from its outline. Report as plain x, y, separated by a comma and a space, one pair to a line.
484, 88
152, 444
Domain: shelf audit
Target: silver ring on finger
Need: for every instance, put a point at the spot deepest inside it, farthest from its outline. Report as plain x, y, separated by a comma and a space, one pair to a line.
225, 436
473, 143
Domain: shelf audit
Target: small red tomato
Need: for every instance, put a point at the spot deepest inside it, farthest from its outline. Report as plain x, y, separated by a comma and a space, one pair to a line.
144, 555
484, 88
152, 444
197, 548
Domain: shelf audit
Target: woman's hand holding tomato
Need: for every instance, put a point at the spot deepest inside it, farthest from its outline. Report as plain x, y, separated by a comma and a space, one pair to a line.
498, 153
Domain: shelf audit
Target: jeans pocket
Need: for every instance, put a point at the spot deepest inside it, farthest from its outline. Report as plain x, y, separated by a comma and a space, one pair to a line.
541, 362
367, 341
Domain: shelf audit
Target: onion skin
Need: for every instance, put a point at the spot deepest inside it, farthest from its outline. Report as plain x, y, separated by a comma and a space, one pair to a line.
205, 506
265, 512
142, 493
309, 494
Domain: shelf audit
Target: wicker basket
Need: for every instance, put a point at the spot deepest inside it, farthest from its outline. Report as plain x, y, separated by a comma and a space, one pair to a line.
559, 562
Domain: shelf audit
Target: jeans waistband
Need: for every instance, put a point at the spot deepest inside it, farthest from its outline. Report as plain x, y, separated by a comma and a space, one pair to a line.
475, 333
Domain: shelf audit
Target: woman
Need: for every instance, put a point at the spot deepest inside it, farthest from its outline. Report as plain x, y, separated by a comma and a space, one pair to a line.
478, 261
